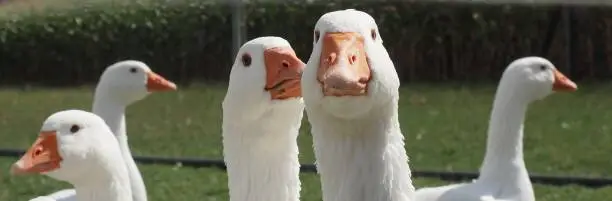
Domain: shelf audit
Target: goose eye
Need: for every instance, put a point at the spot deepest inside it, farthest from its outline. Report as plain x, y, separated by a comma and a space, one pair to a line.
246, 60
133, 70
543, 67
317, 35
373, 34
75, 128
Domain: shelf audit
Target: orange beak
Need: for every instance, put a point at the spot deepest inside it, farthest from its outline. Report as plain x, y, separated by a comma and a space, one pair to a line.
562, 83
43, 156
156, 82
283, 73
343, 68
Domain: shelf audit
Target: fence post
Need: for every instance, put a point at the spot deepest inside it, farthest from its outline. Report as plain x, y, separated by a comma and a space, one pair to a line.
551, 31
569, 39
238, 32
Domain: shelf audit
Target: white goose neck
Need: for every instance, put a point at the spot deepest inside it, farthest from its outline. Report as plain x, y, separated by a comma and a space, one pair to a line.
109, 185
112, 111
364, 159
505, 135
262, 155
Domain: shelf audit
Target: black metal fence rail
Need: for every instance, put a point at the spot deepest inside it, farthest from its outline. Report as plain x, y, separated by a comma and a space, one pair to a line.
447, 176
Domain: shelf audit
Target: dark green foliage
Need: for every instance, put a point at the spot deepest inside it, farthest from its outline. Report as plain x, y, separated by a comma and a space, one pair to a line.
181, 41
191, 39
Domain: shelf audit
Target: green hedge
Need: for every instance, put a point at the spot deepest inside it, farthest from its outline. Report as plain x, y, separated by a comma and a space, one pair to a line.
190, 40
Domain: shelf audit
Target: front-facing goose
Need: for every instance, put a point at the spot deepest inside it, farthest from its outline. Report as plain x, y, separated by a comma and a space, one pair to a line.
503, 175
262, 113
78, 147
350, 89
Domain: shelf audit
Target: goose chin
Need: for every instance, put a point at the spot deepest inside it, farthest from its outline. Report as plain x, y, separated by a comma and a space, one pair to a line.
347, 107
68, 172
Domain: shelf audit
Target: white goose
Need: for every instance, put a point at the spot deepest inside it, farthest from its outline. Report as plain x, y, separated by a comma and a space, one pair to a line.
78, 147
350, 88
503, 175
120, 85
262, 113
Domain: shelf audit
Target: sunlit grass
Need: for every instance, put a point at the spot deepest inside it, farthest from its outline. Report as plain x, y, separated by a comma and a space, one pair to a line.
444, 125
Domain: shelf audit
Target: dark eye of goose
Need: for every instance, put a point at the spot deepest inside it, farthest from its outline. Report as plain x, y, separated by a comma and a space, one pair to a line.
246, 60
373, 34
75, 128
133, 70
543, 67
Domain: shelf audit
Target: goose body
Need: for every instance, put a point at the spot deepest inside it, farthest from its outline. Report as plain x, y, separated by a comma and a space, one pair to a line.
503, 175
78, 147
120, 85
351, 92
62, 195
262, 113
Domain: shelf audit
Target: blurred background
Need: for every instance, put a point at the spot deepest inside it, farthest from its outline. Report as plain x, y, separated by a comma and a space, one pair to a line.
449, 56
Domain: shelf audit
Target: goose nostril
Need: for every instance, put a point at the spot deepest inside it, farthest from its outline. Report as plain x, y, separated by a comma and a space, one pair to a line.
330, 59
38, 151
285, 64
353, 59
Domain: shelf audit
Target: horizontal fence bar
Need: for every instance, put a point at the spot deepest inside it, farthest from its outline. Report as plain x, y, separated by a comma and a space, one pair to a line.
446, 176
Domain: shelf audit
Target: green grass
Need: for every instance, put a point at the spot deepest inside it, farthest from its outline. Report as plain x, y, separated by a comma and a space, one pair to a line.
566, 134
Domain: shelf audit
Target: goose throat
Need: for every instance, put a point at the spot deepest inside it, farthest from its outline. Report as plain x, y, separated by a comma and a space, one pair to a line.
362, 160
505, 136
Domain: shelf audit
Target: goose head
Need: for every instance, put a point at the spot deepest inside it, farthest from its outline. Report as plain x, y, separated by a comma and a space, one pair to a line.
70, 145
534, 78
349, 72
129, 81
265, 73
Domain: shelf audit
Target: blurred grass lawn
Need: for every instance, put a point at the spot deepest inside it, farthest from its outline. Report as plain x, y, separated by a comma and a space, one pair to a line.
444, 125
